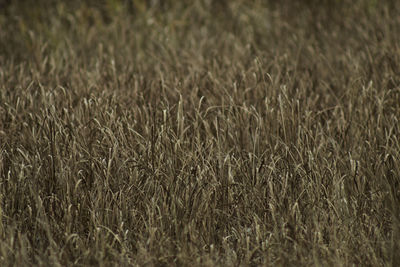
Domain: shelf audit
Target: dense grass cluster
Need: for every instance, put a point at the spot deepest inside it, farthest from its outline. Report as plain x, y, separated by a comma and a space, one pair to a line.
206, 133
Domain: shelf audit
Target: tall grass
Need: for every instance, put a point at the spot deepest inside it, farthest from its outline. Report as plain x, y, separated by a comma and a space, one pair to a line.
200, 133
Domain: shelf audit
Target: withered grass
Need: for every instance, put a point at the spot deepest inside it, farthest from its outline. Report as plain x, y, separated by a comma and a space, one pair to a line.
204, 133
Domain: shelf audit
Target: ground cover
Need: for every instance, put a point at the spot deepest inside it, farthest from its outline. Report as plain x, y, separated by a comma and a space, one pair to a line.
206, 133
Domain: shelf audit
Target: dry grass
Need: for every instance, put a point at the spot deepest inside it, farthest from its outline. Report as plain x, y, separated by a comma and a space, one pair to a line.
210, 133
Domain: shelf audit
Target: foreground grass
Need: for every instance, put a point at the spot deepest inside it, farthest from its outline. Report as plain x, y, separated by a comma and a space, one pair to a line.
206, 134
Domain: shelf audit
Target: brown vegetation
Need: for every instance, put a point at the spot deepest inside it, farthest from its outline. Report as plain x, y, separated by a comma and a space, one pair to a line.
200, 133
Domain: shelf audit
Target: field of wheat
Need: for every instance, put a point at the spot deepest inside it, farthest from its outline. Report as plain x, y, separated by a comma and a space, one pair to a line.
199, 133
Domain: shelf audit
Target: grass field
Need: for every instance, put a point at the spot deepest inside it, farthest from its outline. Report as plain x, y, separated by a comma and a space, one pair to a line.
200, 133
